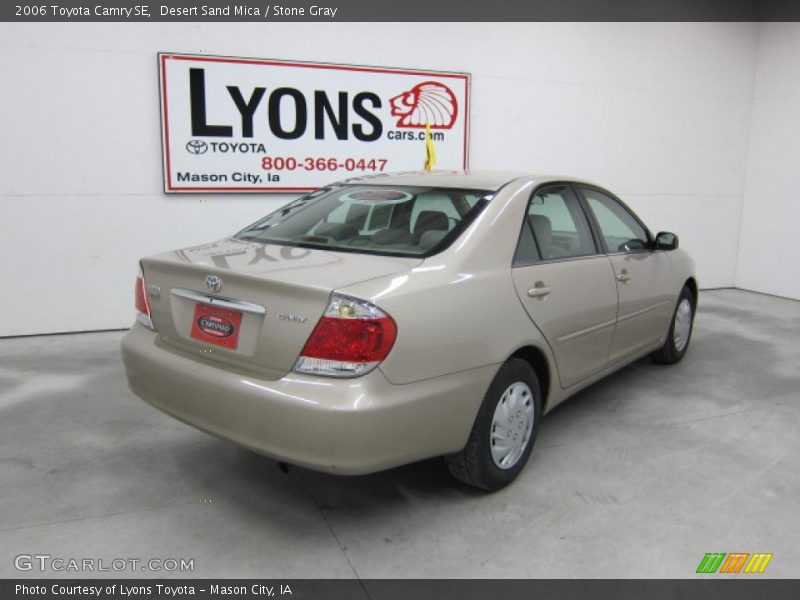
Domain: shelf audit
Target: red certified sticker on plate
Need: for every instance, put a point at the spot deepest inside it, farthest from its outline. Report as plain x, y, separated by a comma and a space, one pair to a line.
217, 326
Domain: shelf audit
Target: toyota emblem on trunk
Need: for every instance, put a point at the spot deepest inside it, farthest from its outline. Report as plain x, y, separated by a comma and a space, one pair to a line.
213, 283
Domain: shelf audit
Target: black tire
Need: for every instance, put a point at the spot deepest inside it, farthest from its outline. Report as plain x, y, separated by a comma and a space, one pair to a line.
669, 353
474, 465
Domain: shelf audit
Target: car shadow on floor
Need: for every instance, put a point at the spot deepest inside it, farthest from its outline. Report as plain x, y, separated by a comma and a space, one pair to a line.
427, 481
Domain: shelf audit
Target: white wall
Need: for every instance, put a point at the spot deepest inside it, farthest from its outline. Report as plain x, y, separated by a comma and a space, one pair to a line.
769, 260
658, 112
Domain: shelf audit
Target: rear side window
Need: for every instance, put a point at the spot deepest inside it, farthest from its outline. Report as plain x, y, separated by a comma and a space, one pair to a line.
527, 252
556, 225
372, 219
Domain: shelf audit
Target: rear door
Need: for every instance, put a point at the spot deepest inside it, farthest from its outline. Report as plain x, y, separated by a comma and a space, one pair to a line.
643, 276
566, 286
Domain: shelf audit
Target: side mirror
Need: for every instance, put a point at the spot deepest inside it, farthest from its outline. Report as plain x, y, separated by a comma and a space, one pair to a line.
666, 240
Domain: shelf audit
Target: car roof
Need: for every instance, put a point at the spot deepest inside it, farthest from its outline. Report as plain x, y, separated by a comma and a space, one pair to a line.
477, 179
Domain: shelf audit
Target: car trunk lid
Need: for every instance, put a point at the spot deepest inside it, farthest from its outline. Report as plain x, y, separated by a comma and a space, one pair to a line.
249, 306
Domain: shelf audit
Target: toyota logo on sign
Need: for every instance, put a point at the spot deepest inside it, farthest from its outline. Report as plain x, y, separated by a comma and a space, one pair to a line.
196, 147
213, 283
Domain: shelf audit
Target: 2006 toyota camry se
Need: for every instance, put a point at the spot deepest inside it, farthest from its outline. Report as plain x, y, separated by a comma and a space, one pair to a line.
387, 319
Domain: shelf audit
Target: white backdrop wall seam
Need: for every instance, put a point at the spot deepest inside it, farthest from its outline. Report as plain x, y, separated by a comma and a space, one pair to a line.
657, 112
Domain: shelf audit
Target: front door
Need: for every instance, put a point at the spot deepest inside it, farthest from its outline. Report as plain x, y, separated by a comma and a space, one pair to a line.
642, 275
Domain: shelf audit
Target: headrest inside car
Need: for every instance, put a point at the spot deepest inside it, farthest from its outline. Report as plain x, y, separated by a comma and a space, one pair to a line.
430, 238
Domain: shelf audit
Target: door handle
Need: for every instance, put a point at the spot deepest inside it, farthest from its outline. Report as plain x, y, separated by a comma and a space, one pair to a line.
539, 290
623, 276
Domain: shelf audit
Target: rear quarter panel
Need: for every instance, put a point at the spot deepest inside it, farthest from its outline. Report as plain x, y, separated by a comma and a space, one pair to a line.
459, 309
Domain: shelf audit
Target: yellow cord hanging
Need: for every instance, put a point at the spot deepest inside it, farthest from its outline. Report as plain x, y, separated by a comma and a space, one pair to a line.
430, 151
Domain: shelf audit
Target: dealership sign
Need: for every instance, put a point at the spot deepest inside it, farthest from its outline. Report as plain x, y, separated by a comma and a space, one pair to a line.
251, 125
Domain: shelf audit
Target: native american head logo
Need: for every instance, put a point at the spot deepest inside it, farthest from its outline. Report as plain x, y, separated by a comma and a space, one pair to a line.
429, 102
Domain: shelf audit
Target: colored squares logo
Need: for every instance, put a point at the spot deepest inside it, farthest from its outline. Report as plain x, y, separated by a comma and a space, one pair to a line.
735, 562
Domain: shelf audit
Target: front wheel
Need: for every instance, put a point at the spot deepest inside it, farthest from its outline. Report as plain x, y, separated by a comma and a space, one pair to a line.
680, 330
504, 431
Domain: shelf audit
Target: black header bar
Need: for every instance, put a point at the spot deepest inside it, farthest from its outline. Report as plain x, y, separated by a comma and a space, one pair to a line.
397, 10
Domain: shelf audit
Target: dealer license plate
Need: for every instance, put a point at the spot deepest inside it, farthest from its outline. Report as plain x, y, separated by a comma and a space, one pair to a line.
215, 325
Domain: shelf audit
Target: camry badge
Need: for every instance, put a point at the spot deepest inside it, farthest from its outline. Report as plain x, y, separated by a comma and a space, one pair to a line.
292, 318
213, 283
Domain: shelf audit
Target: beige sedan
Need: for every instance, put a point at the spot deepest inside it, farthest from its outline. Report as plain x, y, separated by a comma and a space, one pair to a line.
388, 319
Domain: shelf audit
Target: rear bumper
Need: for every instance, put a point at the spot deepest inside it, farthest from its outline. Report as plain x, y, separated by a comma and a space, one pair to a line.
348, 426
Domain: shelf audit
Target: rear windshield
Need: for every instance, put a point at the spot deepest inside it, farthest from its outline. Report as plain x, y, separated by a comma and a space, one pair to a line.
372, 219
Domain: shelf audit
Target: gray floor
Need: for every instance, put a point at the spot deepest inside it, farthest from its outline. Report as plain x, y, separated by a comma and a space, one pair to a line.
638, 476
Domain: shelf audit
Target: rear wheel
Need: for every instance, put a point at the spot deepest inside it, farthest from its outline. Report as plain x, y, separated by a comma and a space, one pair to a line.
680, 330
504, 431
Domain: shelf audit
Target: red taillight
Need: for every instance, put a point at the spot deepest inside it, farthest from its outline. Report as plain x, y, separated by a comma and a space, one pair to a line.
351, 339
142, 305
141, 297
